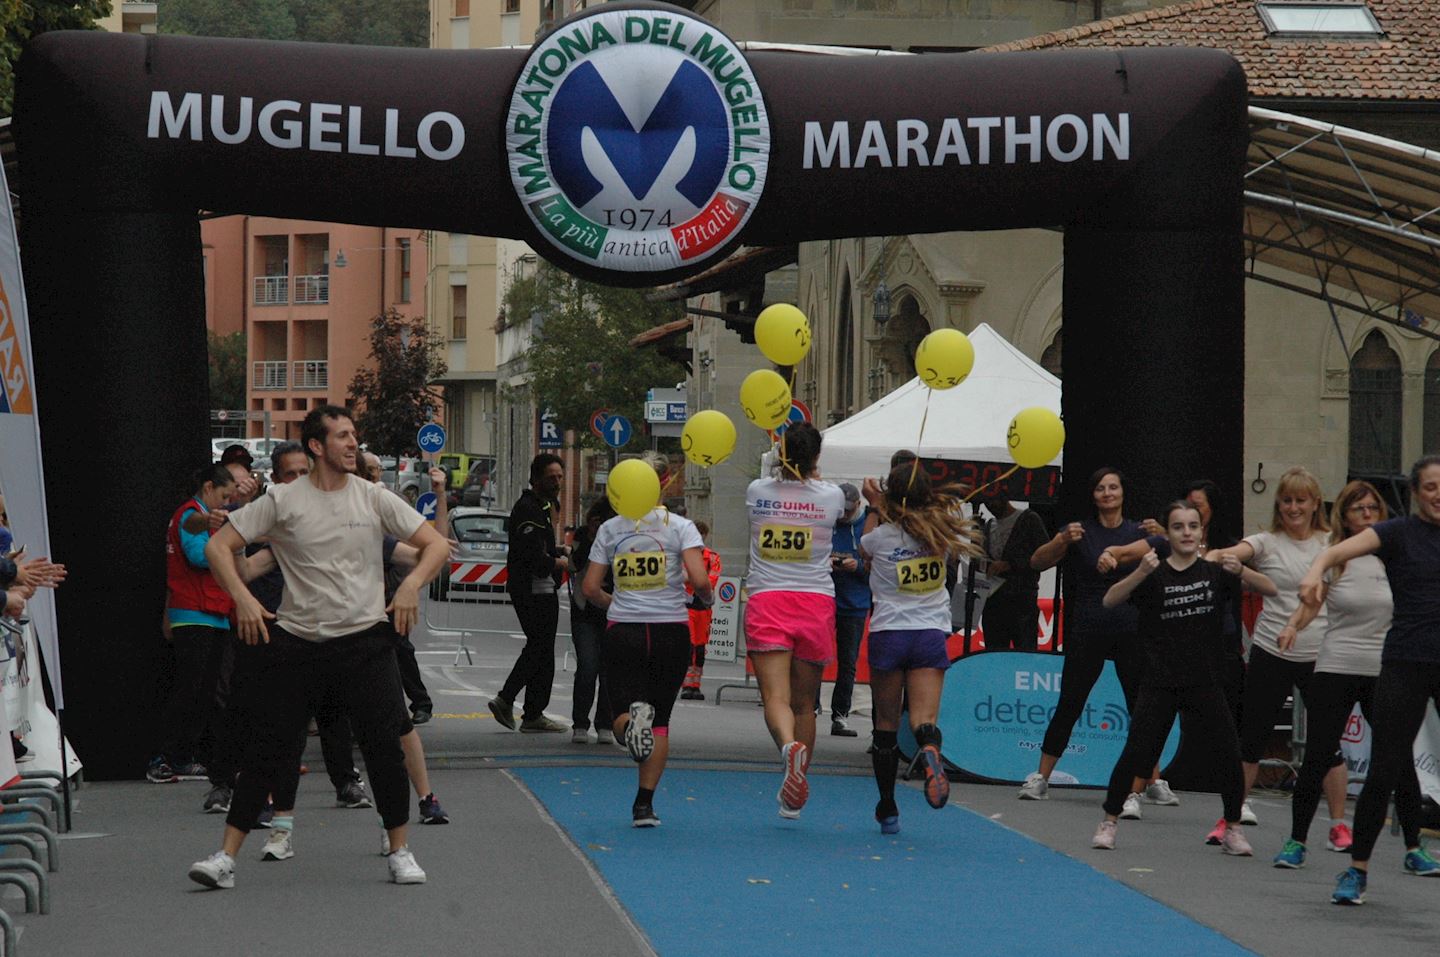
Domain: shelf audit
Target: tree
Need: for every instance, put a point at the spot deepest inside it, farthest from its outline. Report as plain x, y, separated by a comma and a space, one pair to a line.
582, 359
23, 20
227, 370
392, 397
399, 23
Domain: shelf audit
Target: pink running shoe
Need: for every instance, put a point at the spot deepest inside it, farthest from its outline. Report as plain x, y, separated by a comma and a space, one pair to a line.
1340, 837
1235, 844
1104, 839
1216, 837
794, 790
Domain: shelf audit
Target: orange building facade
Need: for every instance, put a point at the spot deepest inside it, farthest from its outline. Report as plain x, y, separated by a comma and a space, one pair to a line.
304, 293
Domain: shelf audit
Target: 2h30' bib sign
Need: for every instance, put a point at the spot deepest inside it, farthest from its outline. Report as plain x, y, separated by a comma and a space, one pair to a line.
638, 140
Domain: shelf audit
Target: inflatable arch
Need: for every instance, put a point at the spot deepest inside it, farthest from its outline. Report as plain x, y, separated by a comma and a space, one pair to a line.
1138, 154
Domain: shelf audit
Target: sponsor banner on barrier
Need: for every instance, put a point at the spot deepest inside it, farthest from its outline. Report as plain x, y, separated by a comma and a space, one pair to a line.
1355, 745
996, 707
24, 706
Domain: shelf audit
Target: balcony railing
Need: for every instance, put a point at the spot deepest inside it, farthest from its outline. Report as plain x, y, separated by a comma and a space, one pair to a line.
310, 374
312, 289
269, 375
272, 290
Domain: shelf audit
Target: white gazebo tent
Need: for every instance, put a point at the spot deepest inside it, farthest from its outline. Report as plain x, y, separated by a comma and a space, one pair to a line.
967, 422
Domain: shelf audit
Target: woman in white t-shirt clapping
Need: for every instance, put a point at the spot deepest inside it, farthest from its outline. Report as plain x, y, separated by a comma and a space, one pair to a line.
1359, 608
790, 614
1283, 554
646, 650
924, 529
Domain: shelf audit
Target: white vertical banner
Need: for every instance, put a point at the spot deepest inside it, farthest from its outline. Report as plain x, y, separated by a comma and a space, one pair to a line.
1355, 746
22, 477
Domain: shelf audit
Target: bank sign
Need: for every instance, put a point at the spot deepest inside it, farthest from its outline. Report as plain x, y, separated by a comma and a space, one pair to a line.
638, 140
996, 707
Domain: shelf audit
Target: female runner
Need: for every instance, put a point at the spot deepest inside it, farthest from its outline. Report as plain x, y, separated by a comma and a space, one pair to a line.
1181, 600
790, 616
1093, 632
647, 641
923, 531
1410, 661
1283, 554
1358, 607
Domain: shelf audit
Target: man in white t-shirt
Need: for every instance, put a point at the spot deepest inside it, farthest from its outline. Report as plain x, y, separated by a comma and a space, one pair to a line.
330, 636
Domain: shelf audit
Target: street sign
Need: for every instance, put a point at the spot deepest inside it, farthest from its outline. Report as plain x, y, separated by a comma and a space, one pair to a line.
616, 431
426, 505
430, 438
725, 621
549, 431
666, 412
597, 422
799, 412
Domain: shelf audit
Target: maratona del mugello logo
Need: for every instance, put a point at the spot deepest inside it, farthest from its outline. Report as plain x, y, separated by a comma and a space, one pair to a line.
638, 140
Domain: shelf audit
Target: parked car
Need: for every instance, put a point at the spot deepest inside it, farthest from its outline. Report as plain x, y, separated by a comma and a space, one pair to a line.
458, 466
481, 537
406, 475
479, 485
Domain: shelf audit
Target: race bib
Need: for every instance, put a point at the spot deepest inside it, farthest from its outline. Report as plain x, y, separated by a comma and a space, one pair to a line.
920, 576
639, 571
784, 543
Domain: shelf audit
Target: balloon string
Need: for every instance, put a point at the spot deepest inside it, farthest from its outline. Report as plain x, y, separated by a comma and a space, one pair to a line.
999, 478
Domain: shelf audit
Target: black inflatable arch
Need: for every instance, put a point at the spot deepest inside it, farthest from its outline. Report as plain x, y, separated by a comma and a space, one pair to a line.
122, 139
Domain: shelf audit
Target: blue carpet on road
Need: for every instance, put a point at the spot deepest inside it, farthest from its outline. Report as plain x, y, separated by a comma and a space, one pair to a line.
725, 875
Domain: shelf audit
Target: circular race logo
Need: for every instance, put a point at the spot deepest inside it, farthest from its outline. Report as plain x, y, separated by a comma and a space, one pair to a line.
638, 140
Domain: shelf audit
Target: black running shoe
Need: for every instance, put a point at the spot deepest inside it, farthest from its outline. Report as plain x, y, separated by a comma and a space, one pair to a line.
643, 815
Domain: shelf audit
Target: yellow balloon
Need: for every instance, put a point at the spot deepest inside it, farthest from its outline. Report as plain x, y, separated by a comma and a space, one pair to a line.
944, 358
783, 333
765, 397
1036, 436
708, 438
633, 488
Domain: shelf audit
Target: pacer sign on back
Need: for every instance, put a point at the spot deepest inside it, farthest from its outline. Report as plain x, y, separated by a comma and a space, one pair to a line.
996, 707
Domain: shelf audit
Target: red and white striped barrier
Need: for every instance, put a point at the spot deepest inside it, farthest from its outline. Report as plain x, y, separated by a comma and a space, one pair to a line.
477, 573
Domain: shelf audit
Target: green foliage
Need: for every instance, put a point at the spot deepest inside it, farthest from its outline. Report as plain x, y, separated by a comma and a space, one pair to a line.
581, 359
395, 23
22, 20
227, 370
392, 396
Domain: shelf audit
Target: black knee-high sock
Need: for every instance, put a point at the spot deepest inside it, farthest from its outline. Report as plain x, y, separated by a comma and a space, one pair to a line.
885, 759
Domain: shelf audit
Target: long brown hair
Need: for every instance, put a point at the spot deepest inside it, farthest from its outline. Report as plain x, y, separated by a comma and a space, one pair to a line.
932, 516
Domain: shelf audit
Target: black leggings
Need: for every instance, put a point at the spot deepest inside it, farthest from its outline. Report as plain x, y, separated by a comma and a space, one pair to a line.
1268, 681
1204, 717
1084, 661
1011, 621
193, 714
646, 662
1402, 691
1328, 705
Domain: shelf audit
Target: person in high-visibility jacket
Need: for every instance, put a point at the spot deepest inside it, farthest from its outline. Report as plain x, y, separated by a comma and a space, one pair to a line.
700, 623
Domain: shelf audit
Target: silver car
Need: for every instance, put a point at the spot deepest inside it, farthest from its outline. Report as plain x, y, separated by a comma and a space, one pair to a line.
481, 537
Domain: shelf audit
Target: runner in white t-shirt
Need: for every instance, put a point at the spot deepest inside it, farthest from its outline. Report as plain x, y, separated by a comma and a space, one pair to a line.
790, 614
331, 640
924, 529
646, 650
1282, 554
1359, 607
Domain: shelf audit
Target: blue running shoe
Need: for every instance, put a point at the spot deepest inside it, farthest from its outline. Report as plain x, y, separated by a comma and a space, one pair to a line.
1421, 864
887, 815
1350, 887
1291, 856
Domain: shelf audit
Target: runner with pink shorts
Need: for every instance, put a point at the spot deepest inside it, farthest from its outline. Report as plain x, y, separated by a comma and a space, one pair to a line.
790, 616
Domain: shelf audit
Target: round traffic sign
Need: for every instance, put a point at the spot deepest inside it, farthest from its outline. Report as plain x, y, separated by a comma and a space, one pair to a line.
616, 431
426, 505
430, 438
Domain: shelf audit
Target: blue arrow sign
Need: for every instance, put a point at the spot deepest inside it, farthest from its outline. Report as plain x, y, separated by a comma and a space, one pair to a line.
425, 505
616, 431
430, 438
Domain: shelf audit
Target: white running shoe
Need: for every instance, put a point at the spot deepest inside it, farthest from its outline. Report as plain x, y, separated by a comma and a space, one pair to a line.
1247, 814
1159, 793
1131, 810
403, 869
1035, 788
1104, 839
639, 735
217, 870
277, 846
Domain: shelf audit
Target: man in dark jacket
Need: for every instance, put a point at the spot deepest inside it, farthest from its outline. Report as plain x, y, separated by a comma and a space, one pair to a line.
1011, 615
533, 568
852, 605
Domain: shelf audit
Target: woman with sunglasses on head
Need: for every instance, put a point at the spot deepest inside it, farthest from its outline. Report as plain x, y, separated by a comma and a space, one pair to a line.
1359, 608
790, 615
1180, 600
922, 530
1093, 633
1283, 553
1409, 677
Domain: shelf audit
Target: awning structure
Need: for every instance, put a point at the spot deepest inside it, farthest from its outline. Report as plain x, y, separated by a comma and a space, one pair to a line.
1355, 218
